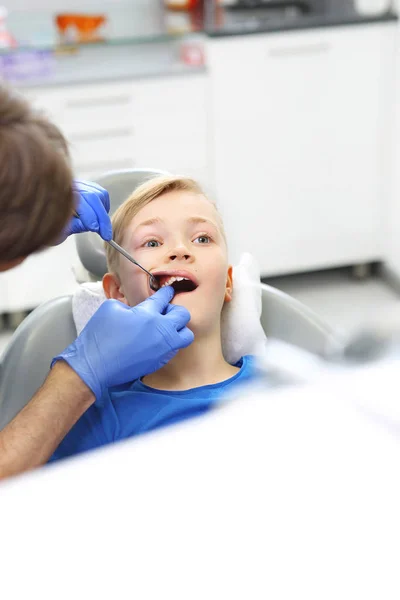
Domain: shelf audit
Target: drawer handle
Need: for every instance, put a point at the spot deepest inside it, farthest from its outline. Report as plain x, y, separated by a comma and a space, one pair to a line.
101, 135
107, 165
105, 101
289, 51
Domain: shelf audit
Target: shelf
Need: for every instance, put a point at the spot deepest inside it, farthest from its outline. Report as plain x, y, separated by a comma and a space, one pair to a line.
96, 64
71, 48
127, 24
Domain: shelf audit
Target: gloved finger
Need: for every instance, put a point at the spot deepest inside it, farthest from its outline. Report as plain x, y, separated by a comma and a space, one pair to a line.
104, 221
87, 217
179, 316
159, 301
93, 215
173, 308
97, 198
186, 337
79, 186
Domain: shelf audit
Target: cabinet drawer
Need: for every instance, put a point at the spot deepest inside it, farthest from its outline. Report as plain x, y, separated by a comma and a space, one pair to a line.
85, 109
86, 115
100, 153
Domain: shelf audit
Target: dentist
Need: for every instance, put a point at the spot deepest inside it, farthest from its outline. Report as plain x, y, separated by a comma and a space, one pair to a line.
119, 344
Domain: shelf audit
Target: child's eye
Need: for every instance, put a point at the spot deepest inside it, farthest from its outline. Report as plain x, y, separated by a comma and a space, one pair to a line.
152, 244
203, 239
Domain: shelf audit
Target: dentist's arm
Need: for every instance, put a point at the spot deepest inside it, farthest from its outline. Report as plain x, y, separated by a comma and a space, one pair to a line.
118, 345
33, 435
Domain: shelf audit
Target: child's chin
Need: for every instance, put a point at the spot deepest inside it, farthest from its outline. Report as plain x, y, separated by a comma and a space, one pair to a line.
183, 299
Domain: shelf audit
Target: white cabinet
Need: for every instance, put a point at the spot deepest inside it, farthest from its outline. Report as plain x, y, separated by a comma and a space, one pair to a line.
300, 128
172, 126
159, 122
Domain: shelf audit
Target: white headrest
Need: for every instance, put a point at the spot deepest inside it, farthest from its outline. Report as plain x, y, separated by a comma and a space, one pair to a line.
242, 332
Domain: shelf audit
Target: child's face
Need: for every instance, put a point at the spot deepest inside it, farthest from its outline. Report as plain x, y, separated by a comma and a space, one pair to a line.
177, 234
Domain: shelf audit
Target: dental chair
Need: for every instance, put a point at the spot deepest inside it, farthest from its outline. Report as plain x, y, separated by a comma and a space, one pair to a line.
50, 327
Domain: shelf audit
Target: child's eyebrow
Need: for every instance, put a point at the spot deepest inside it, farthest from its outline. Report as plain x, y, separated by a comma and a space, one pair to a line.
196, 220
154, 221
191, 220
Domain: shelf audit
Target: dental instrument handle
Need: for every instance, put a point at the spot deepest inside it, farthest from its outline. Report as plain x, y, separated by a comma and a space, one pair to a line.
153, 281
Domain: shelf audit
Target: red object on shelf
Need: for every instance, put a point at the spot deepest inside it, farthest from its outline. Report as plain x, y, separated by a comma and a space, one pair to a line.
85, 25
183, 4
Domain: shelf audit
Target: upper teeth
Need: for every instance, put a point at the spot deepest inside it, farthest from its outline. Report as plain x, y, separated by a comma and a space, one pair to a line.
171, 280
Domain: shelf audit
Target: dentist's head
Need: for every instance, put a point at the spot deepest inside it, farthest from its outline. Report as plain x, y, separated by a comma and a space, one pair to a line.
36, 196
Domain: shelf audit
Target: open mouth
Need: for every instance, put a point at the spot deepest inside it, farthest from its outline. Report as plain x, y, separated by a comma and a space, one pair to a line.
180, 283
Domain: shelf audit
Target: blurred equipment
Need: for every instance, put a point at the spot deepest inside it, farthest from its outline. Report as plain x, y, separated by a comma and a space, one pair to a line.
284, 494
79, 28
373, 7
273, 7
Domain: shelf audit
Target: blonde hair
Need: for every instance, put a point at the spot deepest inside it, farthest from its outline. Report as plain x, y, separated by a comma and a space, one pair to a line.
142, 195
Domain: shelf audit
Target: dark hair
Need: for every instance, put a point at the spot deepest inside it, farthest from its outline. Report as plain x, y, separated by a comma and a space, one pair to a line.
36, 197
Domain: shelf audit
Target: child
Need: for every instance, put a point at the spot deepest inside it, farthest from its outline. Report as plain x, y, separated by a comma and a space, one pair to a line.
176, 233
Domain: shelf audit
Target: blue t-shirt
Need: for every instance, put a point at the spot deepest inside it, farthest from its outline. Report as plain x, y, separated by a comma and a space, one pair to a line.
129, 410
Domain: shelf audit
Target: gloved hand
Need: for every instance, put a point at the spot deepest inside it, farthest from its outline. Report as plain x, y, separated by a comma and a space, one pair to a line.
120, 344
92, 206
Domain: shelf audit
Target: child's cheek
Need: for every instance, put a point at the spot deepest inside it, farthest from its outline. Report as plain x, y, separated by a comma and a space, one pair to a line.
138, 290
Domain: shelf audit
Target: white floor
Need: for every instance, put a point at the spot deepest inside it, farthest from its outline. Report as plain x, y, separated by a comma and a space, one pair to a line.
344, 303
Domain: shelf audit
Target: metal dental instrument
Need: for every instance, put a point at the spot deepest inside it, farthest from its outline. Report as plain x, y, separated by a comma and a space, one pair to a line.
153, 282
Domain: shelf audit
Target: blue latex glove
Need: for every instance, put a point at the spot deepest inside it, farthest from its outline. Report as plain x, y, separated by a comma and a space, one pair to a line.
92, 206
120, 344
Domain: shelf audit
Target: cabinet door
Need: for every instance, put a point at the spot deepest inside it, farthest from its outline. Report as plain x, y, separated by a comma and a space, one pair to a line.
300, 130
171, 126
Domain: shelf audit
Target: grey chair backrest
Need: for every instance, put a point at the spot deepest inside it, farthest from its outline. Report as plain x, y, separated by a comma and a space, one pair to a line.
41, 336
119, 184
50, 328
288, 320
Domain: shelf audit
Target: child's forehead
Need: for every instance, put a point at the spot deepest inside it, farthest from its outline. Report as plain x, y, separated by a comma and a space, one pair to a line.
177, 205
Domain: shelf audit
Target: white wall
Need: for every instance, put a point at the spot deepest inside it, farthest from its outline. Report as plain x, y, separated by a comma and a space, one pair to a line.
393, 261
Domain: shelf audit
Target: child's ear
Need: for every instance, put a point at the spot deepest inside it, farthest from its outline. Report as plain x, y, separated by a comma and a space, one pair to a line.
229, 285
112, 288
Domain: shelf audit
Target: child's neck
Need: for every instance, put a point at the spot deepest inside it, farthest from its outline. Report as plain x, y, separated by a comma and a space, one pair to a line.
201, 363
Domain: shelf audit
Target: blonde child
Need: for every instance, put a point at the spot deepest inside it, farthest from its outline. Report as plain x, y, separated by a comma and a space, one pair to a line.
176, 233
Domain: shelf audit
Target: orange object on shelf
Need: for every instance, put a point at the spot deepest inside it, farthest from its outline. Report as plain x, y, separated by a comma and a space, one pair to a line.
182, 4
83, 25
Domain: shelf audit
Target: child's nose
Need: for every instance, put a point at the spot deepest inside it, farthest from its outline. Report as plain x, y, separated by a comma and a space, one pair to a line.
180, 253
